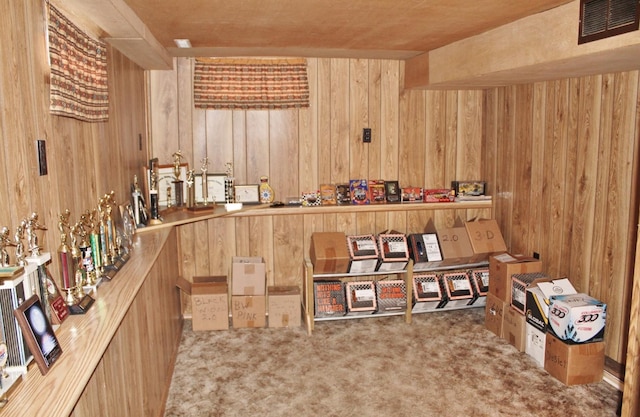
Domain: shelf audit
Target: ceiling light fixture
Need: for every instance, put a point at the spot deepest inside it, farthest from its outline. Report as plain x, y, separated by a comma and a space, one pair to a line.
182, 43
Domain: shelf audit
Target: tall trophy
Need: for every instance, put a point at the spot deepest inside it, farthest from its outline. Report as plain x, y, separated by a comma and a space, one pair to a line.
154, 201
177, 182
191, 191
66, 261
205, 186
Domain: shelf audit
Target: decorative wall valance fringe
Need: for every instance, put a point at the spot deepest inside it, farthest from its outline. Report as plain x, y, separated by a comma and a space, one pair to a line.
79, 87
250, 84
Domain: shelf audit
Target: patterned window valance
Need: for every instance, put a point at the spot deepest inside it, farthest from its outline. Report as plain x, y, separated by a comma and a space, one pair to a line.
79, 86
262, 84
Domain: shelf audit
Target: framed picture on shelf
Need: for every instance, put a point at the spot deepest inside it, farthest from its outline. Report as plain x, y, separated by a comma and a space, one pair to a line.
216, 187
165, 178
38, 333
247, 194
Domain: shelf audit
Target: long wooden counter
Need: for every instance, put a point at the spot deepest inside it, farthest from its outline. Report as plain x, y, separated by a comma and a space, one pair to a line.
117, 358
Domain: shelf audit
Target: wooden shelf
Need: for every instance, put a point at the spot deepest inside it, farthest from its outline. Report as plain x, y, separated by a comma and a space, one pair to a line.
184, 216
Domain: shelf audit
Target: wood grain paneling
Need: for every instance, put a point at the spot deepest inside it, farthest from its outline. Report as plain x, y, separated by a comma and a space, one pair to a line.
565, 162
421, 138
105, 155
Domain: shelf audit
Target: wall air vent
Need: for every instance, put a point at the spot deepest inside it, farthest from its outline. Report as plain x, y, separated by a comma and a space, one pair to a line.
604, 18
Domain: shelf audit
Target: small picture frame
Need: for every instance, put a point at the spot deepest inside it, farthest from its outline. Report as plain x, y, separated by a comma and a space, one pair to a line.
216, 188
38, 333
247, 194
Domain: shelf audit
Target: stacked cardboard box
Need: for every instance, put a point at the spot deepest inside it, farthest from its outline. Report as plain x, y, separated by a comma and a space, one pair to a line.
248, 292
209, 302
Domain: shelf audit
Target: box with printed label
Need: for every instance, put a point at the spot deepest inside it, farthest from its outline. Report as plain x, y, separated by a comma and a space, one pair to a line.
503, 266
329, 299
424, 249
513, 328
209, 302
458, 289
283, 306
574, 364
537, 305
427, 292
392, 295
577, 318
535, 344
394, 251
493, 314
364, 254
248, 275
519, 285
361, 297
248, 311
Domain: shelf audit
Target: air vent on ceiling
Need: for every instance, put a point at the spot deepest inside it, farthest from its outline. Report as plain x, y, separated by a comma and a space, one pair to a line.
603, 18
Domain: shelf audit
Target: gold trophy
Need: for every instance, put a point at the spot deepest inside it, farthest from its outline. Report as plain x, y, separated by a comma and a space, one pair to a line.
86, 253
66, 261
191, 191
205, 187
32, 226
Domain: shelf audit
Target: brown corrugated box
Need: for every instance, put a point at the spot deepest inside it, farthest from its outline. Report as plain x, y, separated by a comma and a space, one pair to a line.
284, 306
248, 311
329, 253
209, 301
574, 364
248, 275
503, 266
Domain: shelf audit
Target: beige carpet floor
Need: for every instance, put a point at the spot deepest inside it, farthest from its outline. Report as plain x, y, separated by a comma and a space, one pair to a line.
443, 364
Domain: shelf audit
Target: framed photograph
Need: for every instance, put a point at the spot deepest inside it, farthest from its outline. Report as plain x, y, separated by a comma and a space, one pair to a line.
247, 194
165, 180
38, 333
216, 188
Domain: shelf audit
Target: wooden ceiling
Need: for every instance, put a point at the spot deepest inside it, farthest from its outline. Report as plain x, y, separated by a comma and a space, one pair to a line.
385, 29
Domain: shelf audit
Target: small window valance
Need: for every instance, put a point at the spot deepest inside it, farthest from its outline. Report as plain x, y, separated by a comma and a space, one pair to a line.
250, 84
79, 87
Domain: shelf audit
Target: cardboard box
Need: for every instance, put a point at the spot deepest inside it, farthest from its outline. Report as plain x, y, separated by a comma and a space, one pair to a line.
513, 328
392, 295
458, 289
455, 244
485, 238
502, 266
284, 306
574, 364
394, 251
248, 311
537, 304
577, 318
493, 314
424, 249
535, 343
364, 254
329, 299
329, 253
519, 285
248, 275
209, 302
361, 297
427, 293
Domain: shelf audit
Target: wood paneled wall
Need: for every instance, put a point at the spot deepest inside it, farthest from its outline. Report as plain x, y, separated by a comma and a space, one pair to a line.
420, 138
85, 160
561, 158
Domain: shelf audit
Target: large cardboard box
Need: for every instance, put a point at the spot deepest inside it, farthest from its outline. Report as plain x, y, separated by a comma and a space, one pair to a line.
485, 238
493, 314
537, 304
535, 343
574, 364
455, 245
209, 302
248, 275
329, 253
284, 306
513, 328
577, 318
248, 311
503, 266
